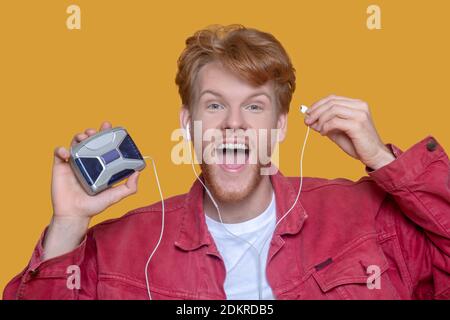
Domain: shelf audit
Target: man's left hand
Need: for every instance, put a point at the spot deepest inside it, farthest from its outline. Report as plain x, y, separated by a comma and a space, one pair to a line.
349, 124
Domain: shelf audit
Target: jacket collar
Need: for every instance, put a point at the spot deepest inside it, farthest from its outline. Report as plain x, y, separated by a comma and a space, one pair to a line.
193, 232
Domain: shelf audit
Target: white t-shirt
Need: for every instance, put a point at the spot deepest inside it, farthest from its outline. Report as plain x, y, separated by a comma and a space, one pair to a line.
241, 260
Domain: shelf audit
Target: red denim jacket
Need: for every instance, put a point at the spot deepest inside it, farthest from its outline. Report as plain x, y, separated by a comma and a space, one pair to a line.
397, 219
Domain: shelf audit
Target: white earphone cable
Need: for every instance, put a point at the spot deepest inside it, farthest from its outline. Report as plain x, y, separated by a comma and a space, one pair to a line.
278, 222
162, 227
287, 212
218, 210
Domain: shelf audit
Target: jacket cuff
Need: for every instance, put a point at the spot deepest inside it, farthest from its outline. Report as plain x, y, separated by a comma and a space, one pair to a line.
407, 165
54, 267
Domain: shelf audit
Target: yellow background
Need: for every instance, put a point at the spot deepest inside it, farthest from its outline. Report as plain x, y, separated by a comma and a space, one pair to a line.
121, 66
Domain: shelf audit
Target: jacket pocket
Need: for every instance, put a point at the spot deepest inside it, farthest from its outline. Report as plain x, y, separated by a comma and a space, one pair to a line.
358, 272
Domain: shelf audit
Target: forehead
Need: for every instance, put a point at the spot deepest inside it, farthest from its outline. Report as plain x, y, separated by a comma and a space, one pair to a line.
214, 77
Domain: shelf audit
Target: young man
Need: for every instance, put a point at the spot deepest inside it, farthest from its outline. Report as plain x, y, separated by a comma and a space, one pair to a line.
386, 236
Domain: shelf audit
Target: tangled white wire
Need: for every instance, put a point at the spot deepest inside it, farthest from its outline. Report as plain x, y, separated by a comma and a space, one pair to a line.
285, 215
220, 218
251, 246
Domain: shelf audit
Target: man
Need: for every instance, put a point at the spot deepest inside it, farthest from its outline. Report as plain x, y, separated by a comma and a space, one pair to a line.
386, 236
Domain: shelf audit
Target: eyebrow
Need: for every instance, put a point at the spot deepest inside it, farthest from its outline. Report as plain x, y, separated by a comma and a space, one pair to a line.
221, 96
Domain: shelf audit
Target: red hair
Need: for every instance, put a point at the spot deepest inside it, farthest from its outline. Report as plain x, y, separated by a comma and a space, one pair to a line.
253, 55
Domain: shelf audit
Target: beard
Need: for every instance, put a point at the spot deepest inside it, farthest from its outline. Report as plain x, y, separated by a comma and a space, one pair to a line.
227, 188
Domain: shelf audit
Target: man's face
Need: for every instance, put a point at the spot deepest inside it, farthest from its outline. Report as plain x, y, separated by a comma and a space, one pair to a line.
237, 111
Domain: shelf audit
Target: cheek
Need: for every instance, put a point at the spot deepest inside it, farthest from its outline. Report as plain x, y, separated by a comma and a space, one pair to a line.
264, 143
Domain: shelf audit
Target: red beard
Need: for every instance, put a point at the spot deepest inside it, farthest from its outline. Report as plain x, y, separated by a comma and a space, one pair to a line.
222, 194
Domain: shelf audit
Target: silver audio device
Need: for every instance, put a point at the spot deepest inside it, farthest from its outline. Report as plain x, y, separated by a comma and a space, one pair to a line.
104, 159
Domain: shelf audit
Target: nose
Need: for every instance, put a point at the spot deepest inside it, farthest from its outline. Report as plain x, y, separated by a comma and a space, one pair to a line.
234, 119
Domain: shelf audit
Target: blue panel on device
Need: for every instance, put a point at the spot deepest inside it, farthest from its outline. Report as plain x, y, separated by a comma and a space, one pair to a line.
110, 156
129, 149
120, 175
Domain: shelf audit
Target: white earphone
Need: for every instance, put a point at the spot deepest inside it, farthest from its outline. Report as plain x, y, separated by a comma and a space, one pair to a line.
188, 132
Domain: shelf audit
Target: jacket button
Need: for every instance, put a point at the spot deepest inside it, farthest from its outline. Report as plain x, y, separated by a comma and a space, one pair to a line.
34, 273
431, 145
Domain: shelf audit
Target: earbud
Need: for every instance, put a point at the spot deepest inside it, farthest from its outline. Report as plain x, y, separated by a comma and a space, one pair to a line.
188, 132
303, 108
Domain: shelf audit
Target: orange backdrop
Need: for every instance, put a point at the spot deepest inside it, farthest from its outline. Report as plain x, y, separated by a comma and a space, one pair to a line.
121, 65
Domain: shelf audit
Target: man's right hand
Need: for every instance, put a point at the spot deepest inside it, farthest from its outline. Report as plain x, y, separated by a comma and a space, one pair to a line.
72, 206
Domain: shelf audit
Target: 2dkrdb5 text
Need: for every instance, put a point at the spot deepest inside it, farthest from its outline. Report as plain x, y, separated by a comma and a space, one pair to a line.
226, 309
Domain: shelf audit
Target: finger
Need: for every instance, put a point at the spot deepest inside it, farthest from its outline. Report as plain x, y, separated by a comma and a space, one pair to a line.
320, 102
132, 182
315, 113
335, 110
90, 132
117, 193
61, 154
105, 125
337, 124
328, 98
78, 138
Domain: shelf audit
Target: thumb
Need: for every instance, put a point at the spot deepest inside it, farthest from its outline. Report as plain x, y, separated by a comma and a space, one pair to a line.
60, 155
117, 193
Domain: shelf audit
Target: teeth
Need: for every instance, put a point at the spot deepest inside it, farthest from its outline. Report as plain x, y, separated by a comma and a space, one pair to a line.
232, 146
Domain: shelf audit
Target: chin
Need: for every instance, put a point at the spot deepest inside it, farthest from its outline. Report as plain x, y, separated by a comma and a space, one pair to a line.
231, 185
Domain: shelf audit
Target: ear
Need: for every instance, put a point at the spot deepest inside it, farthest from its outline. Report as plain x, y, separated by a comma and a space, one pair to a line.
185, 118
282, 126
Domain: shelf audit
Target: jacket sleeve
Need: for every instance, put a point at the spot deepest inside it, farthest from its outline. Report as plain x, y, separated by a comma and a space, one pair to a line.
72, 276
418, 181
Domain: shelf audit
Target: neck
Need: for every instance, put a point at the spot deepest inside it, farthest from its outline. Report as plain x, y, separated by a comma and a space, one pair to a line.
239, 211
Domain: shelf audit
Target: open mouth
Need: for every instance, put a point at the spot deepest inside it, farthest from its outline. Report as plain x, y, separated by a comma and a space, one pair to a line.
232, 157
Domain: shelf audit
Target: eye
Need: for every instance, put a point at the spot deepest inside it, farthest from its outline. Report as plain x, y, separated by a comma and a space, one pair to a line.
214, 106
253, 108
